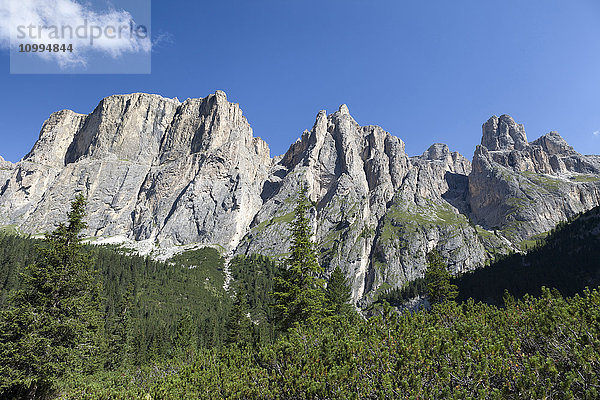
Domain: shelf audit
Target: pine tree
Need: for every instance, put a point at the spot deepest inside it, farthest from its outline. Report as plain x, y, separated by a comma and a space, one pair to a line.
120, 351
53, 323
338, 293
186, 338
238, 327
437, 277
298, 295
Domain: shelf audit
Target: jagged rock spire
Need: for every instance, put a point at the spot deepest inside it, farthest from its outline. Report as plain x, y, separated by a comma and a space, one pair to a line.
503, 134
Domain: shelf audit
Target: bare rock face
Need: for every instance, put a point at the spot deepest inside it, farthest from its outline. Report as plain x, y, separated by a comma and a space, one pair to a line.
160, 172
56, 136
503, 134
453, 161
206, 184
527, 189
5, 171
151, 168
377, 211
5, 165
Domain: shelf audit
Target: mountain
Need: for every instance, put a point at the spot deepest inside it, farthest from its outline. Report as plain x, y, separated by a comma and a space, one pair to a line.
526, 188
152, 169
160, 173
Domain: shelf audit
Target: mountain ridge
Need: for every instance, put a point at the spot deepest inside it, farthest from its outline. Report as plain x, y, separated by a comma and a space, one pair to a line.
160, 173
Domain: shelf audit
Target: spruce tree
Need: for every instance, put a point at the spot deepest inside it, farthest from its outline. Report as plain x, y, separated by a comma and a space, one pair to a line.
186, 338
238, 327
53, 324
120, 348
338, 293
437, 278
298, 295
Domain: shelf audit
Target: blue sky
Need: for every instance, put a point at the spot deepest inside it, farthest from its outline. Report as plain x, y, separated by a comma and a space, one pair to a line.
425, 71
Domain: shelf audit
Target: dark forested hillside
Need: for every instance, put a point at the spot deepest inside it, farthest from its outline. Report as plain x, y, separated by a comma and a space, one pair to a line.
254, 276
568, 259
15, 253
145, 300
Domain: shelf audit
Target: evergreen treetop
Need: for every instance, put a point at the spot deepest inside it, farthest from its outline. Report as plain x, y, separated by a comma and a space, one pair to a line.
53, 323
298, 295
338, 293
238, 328
437, 277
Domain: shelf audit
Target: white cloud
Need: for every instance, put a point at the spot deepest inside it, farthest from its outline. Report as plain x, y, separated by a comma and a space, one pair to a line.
70, 22
596, 133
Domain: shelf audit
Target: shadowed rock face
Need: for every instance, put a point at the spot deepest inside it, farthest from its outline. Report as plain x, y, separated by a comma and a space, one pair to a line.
161, 171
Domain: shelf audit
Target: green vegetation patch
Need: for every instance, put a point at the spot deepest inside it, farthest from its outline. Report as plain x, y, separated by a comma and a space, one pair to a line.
207, 260
9, 229
403, 220
483, 232
286, 218
585, 178
533, 241
512, 230
549, 183
516, 204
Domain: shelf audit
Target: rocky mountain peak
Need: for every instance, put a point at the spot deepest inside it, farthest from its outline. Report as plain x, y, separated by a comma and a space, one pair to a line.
5, 164
144, 128
6, 168
221, 95
343, 110
504, 142
553, 144
527, 188
152, 168
124, 127
55, 137
437, 151
503, 134
206, 124
452, 161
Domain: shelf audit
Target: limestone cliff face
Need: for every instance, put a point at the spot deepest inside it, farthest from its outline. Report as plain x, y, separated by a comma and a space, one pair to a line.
206, 182
522, 188
351, 173
5, 171
503, 134
158, 172
151, 168
377, 211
